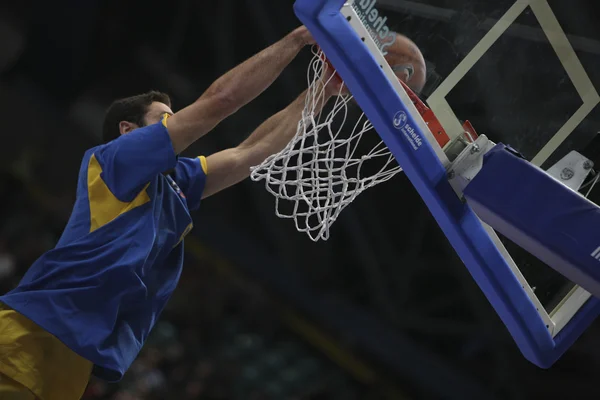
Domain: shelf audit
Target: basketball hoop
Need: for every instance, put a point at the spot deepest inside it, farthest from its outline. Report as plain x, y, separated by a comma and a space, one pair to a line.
321, 171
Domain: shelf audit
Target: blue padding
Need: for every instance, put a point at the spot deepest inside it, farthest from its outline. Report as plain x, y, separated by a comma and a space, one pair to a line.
378, 99
554, 223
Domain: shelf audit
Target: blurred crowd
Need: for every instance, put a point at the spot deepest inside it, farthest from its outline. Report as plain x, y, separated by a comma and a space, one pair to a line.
219, 338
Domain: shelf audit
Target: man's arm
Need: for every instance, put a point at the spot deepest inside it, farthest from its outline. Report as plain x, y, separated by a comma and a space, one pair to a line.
234, 90
231, 166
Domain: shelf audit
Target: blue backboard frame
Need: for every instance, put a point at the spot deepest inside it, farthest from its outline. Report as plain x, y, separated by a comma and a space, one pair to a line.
382, 104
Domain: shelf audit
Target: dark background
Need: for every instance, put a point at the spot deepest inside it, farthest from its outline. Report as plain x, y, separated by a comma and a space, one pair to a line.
384, 309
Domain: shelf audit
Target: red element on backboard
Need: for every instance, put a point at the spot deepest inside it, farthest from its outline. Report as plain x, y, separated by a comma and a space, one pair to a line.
429, 117
426, 113
433, 123
336, 75
472, 133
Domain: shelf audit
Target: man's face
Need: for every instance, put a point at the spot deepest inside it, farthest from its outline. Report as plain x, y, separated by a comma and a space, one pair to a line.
155, 113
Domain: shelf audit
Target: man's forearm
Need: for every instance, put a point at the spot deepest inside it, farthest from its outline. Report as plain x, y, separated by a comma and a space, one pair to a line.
231, 166
249, 79
234, 90
275, 133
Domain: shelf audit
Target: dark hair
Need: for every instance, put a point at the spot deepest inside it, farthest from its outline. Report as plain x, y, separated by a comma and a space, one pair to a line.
131, 109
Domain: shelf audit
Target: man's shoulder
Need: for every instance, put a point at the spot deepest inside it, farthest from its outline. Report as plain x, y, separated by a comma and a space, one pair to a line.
85, 164
91, 151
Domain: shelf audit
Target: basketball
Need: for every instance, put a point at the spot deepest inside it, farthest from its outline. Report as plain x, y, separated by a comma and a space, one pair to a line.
406, 61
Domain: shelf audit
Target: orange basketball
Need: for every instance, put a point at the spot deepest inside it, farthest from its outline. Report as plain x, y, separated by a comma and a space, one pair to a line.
406, 60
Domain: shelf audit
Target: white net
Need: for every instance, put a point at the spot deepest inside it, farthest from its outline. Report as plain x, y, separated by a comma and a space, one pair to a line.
328, 162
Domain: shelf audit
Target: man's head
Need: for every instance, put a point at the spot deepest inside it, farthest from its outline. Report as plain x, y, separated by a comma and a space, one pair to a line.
125, 115
407, 62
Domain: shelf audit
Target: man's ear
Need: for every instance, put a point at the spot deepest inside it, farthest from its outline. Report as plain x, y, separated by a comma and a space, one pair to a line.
126, 127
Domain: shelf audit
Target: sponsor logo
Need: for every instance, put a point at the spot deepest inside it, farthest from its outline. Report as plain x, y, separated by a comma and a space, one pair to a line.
400, 122
375, 24
400, 119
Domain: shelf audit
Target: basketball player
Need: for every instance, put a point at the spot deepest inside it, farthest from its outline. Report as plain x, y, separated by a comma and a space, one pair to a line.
88, 305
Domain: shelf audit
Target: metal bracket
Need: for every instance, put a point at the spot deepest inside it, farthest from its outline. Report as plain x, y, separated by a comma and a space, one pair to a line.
572, 170
468, 163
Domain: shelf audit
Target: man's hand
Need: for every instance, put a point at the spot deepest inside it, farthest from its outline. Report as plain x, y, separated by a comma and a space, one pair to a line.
304, 36
235, 89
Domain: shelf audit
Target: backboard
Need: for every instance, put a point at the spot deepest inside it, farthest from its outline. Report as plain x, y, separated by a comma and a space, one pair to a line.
543, 311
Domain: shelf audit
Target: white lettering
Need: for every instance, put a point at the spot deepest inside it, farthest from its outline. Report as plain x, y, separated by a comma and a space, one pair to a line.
384, 32
379, 25
387, 44
375, 23
368, 11
373, 15
410, 140
413, 137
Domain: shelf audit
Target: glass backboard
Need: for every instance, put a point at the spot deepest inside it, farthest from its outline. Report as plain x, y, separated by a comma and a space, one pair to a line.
520, 81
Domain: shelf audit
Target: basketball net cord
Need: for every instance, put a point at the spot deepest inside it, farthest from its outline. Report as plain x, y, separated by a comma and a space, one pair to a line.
319, 172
